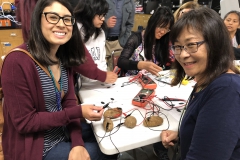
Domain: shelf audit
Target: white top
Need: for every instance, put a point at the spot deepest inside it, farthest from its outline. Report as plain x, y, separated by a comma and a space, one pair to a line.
234, 42
96, 47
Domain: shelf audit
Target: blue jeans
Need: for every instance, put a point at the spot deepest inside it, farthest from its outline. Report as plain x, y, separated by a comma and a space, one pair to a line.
61, 150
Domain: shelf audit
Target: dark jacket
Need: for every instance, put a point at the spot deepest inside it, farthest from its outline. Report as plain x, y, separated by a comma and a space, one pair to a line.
237, 50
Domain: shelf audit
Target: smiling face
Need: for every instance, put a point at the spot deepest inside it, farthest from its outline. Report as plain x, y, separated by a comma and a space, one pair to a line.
232, 22
194, 64
56, 34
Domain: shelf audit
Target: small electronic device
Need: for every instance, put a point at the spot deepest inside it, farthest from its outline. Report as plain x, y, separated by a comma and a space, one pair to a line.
147, 82
141, 99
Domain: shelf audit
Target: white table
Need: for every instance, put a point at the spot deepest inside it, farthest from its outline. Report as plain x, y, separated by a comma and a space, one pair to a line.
126, 139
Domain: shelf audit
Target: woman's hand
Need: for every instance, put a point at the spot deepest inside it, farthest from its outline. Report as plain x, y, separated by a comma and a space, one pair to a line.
92, 113
149, 66
78, 153
111, 77
169, 137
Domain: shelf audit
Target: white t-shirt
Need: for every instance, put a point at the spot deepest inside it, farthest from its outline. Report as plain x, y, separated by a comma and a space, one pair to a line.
234, 42
96, 47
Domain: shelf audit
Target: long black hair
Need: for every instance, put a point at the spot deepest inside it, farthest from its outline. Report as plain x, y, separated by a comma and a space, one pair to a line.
220, 54
161, 18
71, 53
85, 12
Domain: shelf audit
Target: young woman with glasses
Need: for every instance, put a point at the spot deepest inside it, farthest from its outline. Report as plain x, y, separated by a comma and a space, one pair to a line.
209, 125
41, 117
90, 15
149, 49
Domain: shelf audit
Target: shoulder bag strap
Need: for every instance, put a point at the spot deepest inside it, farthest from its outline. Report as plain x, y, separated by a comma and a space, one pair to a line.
27, 53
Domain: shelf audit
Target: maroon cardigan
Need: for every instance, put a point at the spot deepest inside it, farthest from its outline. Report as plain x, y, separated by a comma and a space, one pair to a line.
89, 69
25, 118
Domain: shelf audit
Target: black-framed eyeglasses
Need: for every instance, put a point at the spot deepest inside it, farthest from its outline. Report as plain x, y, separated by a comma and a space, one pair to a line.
101, 16
189, 48
54, 18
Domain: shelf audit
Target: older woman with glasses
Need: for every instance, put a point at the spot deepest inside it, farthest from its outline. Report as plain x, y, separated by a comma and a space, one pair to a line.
41, 117
209, 125
149, 49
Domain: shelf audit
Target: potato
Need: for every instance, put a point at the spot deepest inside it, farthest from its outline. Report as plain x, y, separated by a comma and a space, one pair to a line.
108, 124
130, 122
153, 121
113, 113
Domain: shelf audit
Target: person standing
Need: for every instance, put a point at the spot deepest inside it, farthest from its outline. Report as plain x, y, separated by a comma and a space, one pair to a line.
120, 19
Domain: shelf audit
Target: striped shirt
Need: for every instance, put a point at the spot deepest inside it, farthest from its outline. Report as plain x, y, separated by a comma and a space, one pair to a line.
56, 134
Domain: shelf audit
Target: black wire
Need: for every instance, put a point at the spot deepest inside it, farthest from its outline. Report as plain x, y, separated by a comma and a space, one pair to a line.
102, 137
127, 83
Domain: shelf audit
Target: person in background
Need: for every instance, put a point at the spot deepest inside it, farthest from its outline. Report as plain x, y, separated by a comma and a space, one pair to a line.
40, 111
149, 49
209, 120
89, 15
184, 8
232, 22
120, 19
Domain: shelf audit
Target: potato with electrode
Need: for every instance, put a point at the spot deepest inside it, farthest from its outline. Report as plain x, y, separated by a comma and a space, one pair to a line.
153, 121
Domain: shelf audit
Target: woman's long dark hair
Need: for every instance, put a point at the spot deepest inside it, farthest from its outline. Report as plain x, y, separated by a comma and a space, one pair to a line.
71, 53
161, 18
85, 12
220, 54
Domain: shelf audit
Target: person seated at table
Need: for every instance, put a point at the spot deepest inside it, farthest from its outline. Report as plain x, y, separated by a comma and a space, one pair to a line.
209, 120
232, 22
184, 8
88, 68
90, 20
149, 49
41, 118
